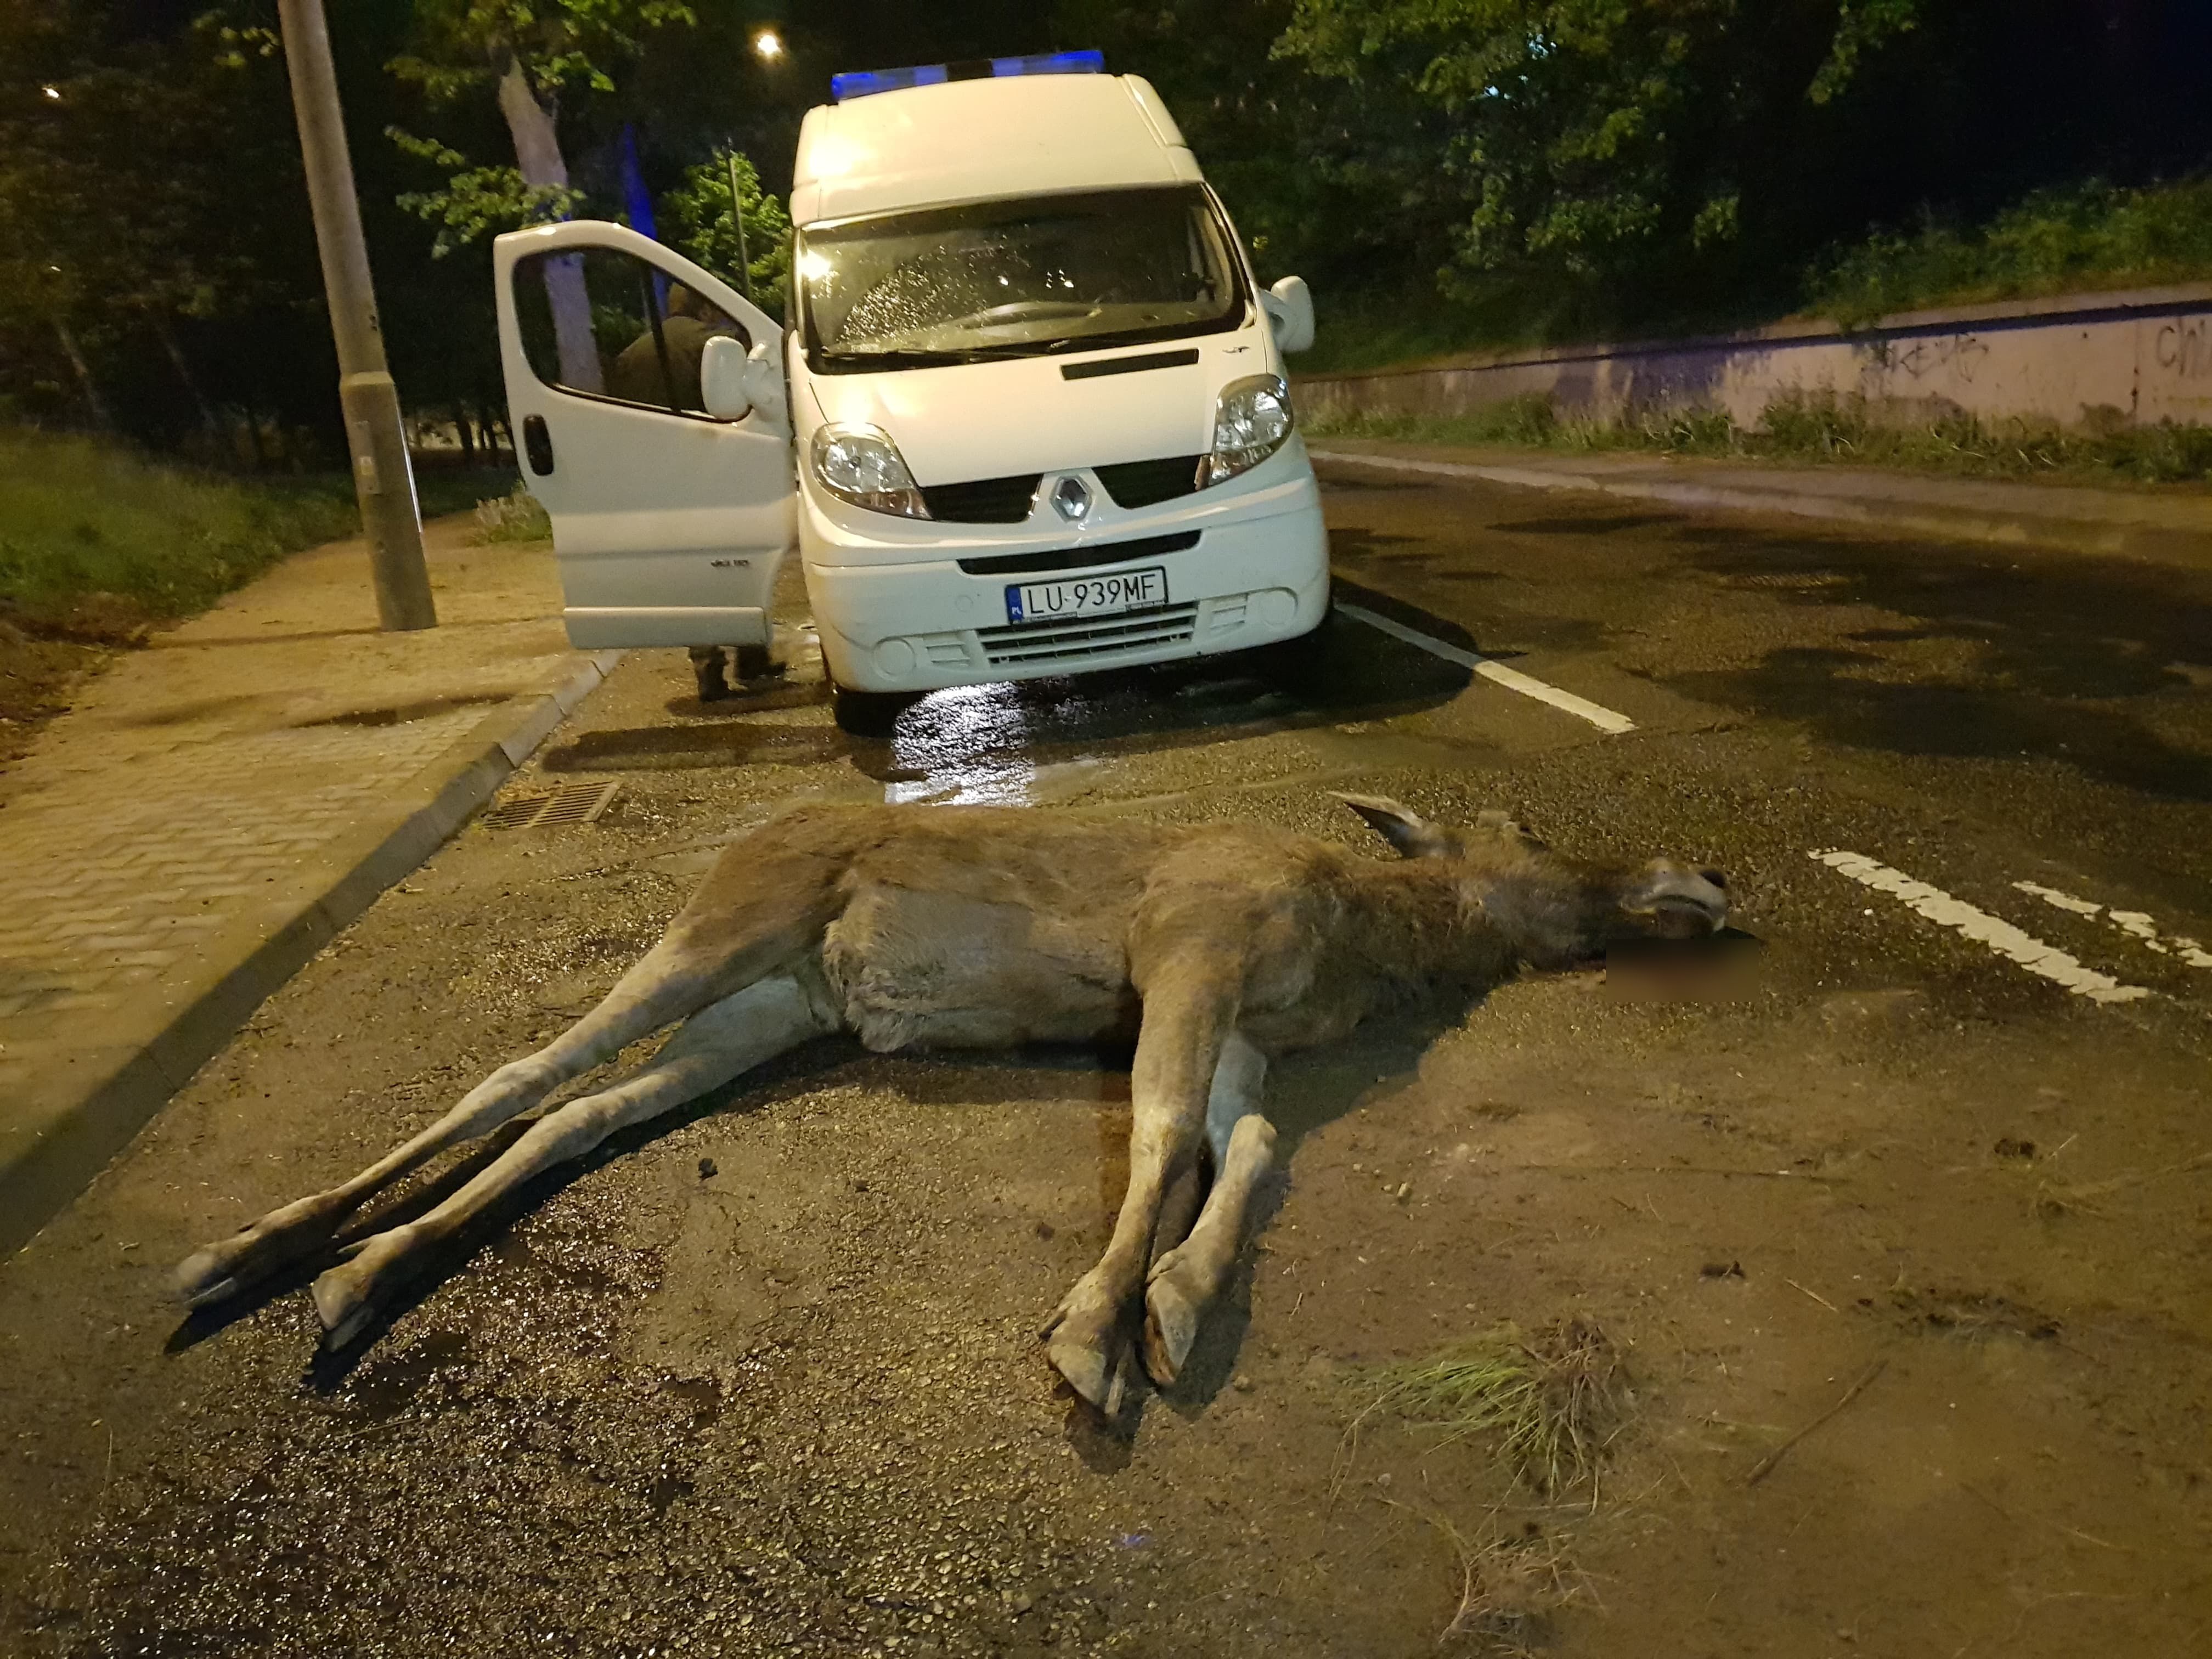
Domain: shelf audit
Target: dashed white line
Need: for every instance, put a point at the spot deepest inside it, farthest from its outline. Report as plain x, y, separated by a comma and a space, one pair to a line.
2001, 936
1497, 672
2137, 925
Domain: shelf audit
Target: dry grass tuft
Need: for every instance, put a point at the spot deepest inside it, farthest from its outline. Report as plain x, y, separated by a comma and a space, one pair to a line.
1555, 1400
1509, 1582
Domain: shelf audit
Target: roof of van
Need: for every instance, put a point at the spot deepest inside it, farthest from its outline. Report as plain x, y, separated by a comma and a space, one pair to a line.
972, 140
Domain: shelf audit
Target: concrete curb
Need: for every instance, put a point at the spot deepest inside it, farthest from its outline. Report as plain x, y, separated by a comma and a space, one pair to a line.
90, 1112
2077, 533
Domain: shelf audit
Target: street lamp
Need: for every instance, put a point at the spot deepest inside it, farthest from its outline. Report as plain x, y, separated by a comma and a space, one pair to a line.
768, 45
383, 476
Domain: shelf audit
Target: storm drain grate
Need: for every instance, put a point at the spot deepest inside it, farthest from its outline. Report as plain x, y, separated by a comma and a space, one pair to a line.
547, 809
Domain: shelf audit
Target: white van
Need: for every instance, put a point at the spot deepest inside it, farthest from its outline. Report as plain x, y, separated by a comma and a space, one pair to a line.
1035, 393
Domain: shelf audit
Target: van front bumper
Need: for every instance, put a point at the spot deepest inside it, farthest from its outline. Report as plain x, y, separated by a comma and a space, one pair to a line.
924, 625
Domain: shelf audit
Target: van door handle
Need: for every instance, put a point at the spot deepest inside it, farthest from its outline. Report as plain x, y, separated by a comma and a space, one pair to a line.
538, 444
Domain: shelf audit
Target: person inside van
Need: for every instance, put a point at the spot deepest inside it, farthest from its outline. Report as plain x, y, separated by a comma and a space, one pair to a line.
662, 365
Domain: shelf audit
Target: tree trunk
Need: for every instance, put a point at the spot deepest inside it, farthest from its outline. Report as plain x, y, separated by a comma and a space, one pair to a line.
93, 400
463, 430
166, 333
538, 153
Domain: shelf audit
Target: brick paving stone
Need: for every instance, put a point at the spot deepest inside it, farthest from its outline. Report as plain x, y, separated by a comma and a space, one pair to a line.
194, 779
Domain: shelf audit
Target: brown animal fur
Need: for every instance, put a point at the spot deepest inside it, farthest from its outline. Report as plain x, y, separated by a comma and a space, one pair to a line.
1213, 945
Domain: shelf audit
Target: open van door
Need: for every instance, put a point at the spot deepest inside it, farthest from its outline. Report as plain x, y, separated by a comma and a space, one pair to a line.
669, 522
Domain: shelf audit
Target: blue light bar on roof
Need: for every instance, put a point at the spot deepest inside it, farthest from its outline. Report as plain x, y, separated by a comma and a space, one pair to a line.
860, 84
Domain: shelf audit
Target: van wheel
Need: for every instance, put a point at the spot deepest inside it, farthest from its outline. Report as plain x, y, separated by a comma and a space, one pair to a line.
869, 714
754, 662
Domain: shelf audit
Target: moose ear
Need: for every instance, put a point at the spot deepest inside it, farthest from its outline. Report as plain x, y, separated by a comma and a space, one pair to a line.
1414, 836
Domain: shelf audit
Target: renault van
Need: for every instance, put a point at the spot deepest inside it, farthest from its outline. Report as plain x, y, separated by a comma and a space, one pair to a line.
1027, 415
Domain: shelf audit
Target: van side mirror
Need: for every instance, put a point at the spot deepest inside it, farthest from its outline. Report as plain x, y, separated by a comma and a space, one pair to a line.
763, 384
1289, 306
723, 375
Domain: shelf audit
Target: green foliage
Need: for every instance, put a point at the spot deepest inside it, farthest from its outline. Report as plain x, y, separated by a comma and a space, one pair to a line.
2056, 242
95, 220
1592, 136
468, 43
695, 218
478, 201
1822, 429
80, 517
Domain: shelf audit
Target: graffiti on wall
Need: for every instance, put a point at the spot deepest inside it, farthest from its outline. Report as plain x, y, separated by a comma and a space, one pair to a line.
2182, 347
1958, 355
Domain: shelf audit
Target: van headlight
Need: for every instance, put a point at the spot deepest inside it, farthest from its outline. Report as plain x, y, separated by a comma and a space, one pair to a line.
861, 464
1249, 424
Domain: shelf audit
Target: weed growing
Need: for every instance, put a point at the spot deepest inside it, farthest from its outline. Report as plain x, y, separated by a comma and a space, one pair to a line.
516, 517
2089, 237
1822, 429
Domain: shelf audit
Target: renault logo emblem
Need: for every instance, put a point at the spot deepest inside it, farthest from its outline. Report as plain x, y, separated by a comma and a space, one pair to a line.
1070, 499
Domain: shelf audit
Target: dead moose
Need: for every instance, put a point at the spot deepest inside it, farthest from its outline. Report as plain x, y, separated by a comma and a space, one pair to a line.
1213, 945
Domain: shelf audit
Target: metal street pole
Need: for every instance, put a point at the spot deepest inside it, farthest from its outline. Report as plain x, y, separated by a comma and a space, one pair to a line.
383, 478
737, 218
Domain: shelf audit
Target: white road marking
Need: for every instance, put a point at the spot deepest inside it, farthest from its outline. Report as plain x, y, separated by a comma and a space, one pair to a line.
2137, 925
1978, 925
1512, 678
2080, 907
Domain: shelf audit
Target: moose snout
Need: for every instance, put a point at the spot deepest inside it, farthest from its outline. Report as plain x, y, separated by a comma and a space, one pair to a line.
1674, 901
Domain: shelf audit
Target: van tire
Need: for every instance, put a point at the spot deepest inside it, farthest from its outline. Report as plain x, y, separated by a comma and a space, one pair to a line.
869, 714
754, 662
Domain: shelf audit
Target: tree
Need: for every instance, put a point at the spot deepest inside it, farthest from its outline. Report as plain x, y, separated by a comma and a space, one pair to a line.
529, 53
99, 229
697, 215
1591, 134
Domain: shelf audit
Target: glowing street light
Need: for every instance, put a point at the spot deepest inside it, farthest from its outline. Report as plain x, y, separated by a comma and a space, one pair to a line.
768, 45
54, 92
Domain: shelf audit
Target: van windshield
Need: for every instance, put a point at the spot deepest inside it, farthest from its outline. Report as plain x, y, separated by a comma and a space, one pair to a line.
1016, 278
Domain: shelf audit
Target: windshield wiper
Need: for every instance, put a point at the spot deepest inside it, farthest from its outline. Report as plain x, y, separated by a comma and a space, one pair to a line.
910, 357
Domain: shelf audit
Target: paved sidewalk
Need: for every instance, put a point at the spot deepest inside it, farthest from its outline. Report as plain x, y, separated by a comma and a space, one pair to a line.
2168, 524
216, 807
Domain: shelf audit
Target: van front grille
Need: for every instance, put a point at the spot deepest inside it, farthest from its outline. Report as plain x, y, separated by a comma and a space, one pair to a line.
1071, 641
983, 501
1141, 483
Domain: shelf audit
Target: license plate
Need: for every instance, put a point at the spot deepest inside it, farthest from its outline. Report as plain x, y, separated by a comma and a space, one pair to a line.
1086, 596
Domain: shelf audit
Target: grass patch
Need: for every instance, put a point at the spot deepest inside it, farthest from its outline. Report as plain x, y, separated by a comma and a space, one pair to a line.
80, 517
92, 527
1553, 1400
2081, 239
1823, 428
516, 517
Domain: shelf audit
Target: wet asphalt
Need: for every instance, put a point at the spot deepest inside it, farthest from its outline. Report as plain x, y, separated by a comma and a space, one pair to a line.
764, 1379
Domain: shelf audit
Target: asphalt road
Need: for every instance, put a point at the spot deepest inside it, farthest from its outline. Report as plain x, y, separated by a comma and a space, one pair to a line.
765, 1380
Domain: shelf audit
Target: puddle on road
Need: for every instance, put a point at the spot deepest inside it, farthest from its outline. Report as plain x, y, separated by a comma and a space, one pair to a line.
1025, 742
1021, 742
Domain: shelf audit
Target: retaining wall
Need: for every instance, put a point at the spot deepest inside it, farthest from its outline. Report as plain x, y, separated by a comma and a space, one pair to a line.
2133, 358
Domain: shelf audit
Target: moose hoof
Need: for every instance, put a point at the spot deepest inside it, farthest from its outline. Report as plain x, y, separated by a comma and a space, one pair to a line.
277, 1241
1085, 1344
1174, 1305
347, 1296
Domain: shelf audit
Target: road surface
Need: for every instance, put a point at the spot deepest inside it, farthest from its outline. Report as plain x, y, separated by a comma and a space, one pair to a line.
766, 1381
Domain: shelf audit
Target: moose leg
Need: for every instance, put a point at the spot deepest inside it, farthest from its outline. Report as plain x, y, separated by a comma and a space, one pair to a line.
1188, 1013
665, 984
1184, 1281
711, 1046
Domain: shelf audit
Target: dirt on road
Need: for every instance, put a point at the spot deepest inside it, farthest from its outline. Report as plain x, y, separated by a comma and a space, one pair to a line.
1919, 1240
